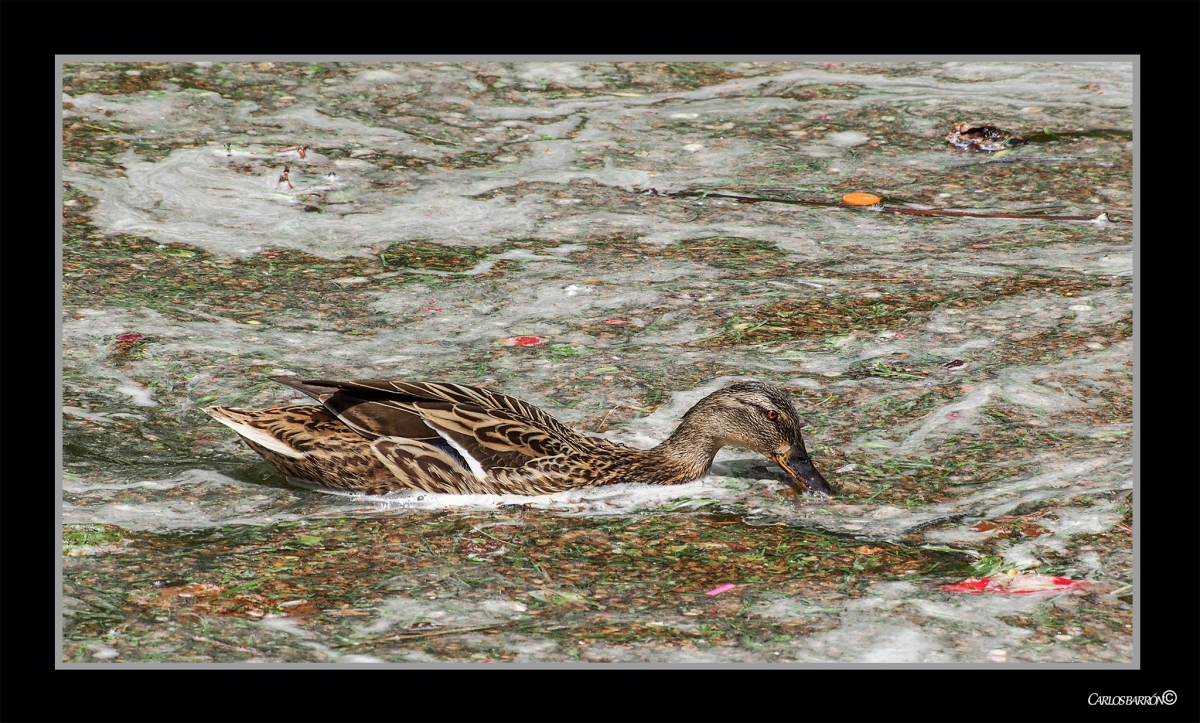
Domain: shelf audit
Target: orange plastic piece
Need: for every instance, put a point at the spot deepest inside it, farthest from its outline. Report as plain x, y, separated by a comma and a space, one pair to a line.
860, 199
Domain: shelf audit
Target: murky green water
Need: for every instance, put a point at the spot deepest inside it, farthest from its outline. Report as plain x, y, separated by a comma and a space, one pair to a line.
967, 381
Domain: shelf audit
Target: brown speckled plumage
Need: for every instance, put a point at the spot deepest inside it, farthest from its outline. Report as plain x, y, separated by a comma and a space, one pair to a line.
379, 436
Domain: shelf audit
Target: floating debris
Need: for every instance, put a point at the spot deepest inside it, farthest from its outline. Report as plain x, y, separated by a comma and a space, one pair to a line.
525, 341
302, 149
861, 199
980, 138
1017, 584
127, 347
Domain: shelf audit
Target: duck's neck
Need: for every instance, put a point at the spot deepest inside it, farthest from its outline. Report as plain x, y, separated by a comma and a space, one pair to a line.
686, 456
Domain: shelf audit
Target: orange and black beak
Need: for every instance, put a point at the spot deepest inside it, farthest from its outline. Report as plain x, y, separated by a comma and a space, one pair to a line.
804, 475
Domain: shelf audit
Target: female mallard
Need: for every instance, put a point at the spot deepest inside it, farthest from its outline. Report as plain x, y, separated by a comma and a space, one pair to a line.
379, 436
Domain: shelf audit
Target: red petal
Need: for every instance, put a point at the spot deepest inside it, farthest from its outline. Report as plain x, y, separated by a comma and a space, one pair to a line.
1017, 585
528, 341
130, 337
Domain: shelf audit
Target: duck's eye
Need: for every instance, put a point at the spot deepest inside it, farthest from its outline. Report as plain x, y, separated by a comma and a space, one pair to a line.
772, 414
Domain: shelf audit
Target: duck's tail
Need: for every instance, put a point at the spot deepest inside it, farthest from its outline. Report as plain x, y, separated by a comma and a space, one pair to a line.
309, 445
248, 423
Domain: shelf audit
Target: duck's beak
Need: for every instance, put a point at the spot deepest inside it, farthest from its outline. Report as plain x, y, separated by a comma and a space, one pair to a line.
800, 468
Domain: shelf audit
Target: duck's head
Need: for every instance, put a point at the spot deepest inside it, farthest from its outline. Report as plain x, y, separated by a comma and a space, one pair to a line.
760, 417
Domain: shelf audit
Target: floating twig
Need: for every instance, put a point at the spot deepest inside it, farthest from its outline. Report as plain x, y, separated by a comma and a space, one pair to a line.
446, 631
886, 208
301, 148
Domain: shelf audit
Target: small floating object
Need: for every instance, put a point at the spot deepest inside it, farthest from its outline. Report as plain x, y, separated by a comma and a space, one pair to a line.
525, 341
980, 138
424, 625
129, 338
1017, 584
861, 199
724, 588
301, 148
615, 322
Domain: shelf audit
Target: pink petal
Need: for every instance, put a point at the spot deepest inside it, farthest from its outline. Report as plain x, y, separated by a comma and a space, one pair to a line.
724, 588
615, 322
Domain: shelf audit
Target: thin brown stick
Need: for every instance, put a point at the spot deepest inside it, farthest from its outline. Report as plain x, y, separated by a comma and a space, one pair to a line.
481, 531
604, 419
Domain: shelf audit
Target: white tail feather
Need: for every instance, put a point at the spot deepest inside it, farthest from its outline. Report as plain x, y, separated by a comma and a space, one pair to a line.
257, 436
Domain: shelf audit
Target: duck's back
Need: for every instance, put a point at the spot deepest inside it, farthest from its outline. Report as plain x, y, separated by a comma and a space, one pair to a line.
392, 408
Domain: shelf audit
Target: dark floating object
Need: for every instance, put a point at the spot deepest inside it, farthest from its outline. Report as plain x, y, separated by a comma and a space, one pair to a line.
954, 364
981, 138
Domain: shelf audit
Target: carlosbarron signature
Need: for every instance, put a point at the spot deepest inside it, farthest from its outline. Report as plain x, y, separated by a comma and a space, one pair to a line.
1167, 697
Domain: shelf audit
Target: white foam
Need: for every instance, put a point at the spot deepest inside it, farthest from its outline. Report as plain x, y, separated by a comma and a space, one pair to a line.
142, 397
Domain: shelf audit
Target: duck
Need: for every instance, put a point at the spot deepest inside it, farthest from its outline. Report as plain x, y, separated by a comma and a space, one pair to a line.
376, 437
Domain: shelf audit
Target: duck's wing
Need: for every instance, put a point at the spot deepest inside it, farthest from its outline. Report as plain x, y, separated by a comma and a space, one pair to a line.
487, 429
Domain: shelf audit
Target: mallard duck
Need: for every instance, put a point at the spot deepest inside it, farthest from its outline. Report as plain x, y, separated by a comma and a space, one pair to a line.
380, 436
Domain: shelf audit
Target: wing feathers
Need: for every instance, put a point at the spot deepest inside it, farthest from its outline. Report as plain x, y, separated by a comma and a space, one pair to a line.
424, 466
452, 438
472, 463
495, 428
